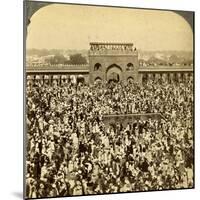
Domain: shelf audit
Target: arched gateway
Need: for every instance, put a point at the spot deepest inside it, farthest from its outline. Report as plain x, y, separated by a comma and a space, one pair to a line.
108, 61
117, 61
114, 73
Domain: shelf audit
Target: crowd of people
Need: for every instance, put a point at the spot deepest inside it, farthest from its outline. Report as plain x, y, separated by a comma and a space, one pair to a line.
70, 151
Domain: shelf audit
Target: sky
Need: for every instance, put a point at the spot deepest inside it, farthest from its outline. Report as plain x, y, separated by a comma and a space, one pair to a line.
60, 26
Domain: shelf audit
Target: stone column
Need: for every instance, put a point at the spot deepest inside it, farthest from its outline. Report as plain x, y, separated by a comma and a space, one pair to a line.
172, 77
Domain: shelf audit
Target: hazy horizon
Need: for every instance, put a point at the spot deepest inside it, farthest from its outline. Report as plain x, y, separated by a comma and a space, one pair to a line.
88, 49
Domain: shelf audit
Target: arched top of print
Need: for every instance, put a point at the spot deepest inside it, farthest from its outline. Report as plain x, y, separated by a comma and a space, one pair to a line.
174, 26
32, 7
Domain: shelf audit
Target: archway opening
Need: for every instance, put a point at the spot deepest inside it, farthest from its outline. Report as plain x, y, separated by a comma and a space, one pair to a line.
144, 78
98, 80
129, 67
114, 73
130, 80
80, 79
97, 67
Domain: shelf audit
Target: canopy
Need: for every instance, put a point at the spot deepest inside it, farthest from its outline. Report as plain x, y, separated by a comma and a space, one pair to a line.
55, 77
63, 77
29, 77
46, 77
37, 77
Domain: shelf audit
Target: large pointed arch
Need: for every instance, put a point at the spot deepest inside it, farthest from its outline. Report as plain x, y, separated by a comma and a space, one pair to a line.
114, 72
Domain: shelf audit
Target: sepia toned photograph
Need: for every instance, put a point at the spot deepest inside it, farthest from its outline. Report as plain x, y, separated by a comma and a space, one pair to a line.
109, 100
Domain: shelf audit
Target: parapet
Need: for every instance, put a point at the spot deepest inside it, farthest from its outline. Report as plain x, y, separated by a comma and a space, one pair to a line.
103, 48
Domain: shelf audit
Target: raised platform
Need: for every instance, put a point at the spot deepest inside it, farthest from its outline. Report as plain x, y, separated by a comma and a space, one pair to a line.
130, 118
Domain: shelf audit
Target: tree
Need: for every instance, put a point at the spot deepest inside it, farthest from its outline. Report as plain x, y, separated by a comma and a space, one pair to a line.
77, 59
57, 59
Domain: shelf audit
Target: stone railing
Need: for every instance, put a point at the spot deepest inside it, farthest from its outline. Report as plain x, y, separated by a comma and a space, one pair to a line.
165, 68
112, 52
97, 48
57, 67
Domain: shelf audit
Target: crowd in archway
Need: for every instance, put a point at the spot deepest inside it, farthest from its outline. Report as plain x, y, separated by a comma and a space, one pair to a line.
70, 151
